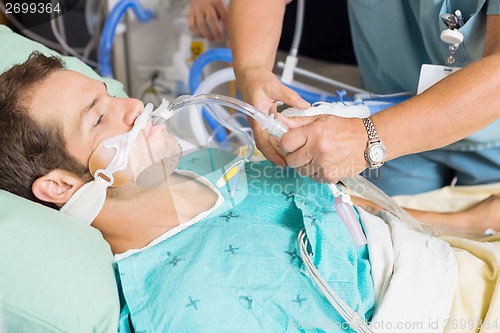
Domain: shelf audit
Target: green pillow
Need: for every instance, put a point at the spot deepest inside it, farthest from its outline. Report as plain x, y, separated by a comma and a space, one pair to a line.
16, 49
56, 274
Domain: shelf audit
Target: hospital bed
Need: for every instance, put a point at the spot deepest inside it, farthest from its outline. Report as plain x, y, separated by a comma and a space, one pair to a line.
57, 275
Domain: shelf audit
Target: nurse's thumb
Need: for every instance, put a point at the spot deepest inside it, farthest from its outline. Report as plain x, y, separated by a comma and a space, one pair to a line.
293, 99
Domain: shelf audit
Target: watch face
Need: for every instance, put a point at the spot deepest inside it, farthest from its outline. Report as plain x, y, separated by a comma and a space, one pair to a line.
377, 153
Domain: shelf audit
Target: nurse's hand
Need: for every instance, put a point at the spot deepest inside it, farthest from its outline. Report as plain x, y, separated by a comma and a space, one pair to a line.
207, 18
262, 89
267, 144
325, 148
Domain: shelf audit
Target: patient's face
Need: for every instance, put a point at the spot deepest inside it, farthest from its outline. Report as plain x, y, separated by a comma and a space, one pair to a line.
87, 115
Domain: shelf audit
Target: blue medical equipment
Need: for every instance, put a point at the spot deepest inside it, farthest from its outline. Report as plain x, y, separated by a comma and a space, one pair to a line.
108, 33
195, 74
374, 103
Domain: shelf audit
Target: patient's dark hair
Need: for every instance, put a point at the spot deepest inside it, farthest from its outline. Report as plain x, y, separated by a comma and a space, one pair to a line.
29, 150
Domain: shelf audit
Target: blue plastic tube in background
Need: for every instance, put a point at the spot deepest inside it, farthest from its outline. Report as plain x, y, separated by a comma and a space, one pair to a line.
108, 32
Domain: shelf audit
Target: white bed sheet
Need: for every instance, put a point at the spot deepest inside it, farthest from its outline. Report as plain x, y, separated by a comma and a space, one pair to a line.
415, 276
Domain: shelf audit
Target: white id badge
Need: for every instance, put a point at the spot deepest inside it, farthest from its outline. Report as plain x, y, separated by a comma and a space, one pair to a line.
430, 74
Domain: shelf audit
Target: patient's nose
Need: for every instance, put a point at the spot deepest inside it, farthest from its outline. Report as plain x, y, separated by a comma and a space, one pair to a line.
131, 108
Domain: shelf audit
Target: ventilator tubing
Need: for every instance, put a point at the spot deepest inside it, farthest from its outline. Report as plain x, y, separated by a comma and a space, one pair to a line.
371, 192
167, 110
206, 99
276, 128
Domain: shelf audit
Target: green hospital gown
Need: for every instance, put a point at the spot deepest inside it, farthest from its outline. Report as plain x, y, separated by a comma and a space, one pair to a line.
239, 269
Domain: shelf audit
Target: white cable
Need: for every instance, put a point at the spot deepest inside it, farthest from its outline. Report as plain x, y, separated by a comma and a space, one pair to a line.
63, 43
62, 31
350, 316
91, 45
212, 81
95, 32
299, 23
93, 25
291, 59
320, 78
28, 33
371, 96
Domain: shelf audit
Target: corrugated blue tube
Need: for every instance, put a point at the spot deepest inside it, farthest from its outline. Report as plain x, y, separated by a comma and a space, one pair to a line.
108, 32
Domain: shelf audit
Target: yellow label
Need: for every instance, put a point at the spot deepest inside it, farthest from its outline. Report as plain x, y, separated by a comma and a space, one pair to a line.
227, 176
197, 48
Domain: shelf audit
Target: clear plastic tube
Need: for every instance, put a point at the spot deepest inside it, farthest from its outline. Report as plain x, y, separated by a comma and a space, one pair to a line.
205, 87
364, 187
357, 183
275, 127
344, 207
183, 101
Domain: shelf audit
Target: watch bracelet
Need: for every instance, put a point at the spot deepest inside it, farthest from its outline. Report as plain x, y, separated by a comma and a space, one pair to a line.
370, 128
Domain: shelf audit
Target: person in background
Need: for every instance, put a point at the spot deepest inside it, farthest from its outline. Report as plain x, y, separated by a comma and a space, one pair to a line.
208, 19
390, 49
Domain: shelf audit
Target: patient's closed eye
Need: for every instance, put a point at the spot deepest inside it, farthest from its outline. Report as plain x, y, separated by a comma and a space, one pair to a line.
99, 120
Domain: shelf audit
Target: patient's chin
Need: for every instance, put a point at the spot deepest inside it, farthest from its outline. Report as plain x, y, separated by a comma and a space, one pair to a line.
148, 175
154, 162
162, 164
157, 174
149, 165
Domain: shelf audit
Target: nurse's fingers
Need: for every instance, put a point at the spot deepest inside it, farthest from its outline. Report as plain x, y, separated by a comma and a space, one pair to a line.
297, 134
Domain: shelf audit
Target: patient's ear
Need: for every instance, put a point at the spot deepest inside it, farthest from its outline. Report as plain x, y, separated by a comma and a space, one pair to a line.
57, 186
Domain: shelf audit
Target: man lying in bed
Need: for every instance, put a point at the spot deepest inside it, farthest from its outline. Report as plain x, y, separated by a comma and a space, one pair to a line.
236, 268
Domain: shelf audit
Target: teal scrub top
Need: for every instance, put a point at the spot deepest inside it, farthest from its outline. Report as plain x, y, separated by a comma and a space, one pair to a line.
393, 38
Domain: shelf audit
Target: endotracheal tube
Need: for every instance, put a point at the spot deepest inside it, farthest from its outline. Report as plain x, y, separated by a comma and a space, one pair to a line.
342, 201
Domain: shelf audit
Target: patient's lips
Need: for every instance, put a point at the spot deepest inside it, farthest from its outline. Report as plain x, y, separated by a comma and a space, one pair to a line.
151, 129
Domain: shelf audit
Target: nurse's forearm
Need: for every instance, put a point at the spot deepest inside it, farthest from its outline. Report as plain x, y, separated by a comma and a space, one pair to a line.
254, 32
452, 109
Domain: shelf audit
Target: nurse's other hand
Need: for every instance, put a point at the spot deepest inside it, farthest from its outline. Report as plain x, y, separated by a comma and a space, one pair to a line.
325, 148
262, 89
207, 18
267, 144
